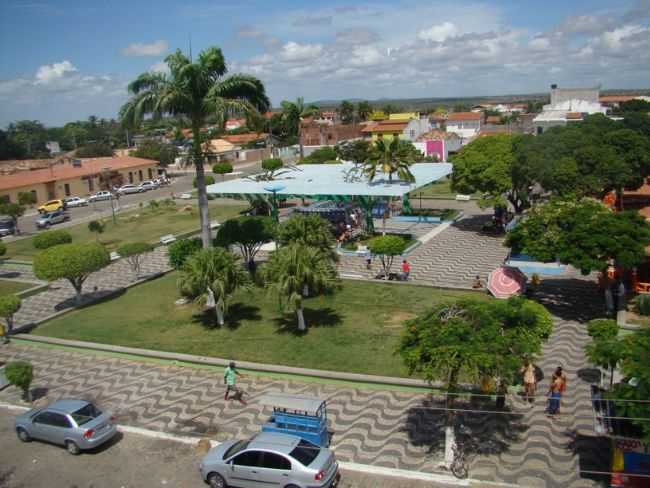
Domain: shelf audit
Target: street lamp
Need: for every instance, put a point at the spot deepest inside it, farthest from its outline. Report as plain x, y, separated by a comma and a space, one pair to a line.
107, 180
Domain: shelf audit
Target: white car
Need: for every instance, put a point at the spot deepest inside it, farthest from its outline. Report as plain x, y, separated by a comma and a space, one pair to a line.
76, 202
126, 189
99, 196
148, 185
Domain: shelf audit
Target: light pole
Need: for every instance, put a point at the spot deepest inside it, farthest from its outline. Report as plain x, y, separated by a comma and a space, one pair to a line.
107, 180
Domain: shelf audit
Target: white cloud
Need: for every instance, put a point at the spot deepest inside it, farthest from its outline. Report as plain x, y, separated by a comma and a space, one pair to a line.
262, 59
540, 43
439, 33
366, 56
50, 72
616, 39
293, 51
141, 49
159, 67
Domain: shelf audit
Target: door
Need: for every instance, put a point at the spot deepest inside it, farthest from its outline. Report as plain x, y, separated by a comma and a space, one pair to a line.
275, 470
244, 469
51, 427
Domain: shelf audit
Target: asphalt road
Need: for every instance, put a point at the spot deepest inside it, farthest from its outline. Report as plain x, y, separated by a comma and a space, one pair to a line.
129, 461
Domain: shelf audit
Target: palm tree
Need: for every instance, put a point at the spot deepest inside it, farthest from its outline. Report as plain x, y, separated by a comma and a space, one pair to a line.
213, 274
293, 113
295, 269
194, 90
391, 157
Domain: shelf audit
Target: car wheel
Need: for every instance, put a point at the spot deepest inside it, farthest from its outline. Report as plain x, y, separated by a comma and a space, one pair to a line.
215, 480
291, 486
23, 435
47, 226
72, 448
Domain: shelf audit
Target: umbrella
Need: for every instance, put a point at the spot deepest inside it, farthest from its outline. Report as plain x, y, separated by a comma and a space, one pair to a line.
506, 281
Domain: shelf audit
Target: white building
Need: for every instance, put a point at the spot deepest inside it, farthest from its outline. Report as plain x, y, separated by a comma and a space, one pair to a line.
467, 125
568, 105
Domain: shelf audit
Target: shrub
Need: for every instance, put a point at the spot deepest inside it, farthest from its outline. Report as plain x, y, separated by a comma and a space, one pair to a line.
133, 251
27, 198
97, 227
182, 249
20, 374
3, 248
643, 304
222, 168
272, 164
387, 247
51, 238
602, 329
9, 305
209, 180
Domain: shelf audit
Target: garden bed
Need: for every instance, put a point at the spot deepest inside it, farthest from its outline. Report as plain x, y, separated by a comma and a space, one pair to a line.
355, 329
353, 245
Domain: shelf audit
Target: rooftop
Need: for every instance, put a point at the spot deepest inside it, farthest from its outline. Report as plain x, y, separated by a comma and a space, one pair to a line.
89, 166
385, 126
331, 181
245, 138
464, 116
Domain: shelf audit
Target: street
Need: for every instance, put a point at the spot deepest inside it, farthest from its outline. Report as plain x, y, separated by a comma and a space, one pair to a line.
129, 461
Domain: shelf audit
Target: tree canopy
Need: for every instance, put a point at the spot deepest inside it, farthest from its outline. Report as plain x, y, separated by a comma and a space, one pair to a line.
346, 111
583, 233
322, 155
9, 305
309, 230
165, 154
392, 157
356, 151
247, 233
387, 247
73, 262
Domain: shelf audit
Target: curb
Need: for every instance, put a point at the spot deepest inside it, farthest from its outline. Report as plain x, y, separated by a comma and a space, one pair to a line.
355, 467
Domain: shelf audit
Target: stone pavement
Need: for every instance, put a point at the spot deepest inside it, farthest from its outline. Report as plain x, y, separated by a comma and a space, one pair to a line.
450, 259
18, 272
60, 295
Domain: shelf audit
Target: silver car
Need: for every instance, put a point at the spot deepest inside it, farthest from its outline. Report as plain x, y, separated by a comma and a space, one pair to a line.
51, 218
128, 189
76, 424
270, 460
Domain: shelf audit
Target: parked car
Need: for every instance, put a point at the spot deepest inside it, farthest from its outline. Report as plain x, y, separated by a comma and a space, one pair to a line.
162, 180
75, 202
76, 424
51, 206
149, 185
51, 218
126, 189
99, 196
270, 459
7, 225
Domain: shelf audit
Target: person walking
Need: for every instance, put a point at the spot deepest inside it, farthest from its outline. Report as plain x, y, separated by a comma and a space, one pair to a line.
554, 395
230, 378
406, 270
530, 382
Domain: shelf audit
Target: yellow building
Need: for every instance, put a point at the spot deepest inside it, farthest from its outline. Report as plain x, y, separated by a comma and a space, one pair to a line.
77, 177
386, 130
404, 116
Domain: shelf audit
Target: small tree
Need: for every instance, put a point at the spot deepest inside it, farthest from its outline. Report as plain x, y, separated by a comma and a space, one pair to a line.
51, 238
9, 305
295, 268
309, 230
97, 227
26, 198
14, 210
209, 180
323, 155
606, 350
213, 270
247, 233
74, 262
180, 250
20, 374
3, 248
133, 252
387, 247
222, 169
272, 165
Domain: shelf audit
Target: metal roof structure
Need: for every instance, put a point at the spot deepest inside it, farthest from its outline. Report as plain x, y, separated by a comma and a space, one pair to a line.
302, 403
331, 181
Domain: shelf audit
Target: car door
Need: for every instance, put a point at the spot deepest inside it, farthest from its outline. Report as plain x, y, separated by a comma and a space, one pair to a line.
243, 472
51, 427
275, 470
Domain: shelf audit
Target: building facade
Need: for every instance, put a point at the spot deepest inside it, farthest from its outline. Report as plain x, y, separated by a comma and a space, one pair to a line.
466, 125
568, 105
317, 133
77, 177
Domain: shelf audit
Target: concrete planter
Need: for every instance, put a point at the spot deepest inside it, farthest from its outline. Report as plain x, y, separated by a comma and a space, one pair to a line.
426, 220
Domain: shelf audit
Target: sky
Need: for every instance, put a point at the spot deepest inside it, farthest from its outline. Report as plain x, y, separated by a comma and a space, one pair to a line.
64, 60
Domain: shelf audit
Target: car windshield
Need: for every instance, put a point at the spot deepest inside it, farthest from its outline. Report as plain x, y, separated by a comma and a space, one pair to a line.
235, 448
86, 414
305, 452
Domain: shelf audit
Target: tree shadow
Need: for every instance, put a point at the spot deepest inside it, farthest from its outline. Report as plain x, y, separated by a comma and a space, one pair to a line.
477, 224
571, 298
320, 317
479, 432
590, 375
237, 313
39, 392
593, 452
9, 274
93, 298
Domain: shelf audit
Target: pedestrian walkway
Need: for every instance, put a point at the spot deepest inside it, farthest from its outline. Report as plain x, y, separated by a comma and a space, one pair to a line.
18, 272
60, 294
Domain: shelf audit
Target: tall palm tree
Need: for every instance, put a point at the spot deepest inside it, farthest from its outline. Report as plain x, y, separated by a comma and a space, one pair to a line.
194, 90
213, 271
293, 113
391, 157
292, 270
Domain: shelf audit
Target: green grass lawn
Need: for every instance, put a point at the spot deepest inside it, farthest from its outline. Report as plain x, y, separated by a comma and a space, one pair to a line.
139, 225
8, 287
437, 189
356, 329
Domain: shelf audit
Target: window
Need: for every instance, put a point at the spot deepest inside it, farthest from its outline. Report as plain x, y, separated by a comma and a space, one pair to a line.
150, 173
130, 177
86, 414
248, 458
305, 452
66, 187
235, 448
539, 130
52, 419
275, 461
140, 175
91, 184
35, 195
412, 133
